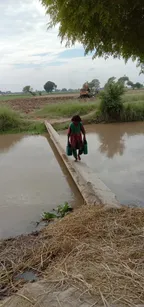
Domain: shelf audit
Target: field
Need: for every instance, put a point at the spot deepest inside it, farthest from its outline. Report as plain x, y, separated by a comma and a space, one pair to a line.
59, 108
23, 96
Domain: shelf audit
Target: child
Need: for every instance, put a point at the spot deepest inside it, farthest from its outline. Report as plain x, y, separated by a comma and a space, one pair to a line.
75, 139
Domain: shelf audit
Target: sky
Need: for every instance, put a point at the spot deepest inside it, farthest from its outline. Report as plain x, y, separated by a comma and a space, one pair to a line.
30, 54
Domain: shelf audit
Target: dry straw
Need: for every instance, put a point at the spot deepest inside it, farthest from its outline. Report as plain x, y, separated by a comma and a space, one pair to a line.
100, 251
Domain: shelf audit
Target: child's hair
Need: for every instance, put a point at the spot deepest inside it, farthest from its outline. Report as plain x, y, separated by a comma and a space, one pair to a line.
76, 118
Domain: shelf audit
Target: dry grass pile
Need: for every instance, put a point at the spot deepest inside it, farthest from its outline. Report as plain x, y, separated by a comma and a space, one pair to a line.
99, 250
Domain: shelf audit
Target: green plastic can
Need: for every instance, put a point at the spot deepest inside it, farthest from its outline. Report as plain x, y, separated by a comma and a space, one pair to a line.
69, 150
85, 149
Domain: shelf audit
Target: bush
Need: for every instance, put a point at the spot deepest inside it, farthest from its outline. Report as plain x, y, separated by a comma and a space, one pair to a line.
9, 119
111, 104
12, 122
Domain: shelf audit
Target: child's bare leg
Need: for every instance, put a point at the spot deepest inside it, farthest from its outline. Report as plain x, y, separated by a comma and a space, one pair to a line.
79, 157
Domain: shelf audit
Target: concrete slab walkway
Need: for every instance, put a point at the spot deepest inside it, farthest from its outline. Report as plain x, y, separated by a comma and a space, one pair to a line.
92, 189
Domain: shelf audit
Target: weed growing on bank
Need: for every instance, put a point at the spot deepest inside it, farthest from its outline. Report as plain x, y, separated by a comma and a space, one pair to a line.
13, 122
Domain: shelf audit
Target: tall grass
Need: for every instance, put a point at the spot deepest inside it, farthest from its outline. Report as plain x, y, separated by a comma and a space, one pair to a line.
133, 112
133, 98
13, 122
67, 109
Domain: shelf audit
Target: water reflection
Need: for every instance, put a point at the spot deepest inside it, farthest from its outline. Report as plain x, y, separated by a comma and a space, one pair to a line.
9, 140
112, 136
112, 142
31, 181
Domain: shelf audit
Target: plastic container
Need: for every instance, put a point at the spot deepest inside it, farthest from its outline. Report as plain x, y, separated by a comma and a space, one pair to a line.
85, 148
69, 150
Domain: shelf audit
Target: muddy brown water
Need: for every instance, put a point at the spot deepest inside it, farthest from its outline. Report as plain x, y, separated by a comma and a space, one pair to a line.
116, 154
33, 179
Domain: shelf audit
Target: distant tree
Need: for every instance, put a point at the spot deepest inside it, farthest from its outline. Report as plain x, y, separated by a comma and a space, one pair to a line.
138, 85
123, 79
94, 85
64, 89
131, 84
27, 89
50, 86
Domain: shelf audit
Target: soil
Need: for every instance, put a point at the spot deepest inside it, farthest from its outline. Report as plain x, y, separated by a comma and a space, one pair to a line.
28, 105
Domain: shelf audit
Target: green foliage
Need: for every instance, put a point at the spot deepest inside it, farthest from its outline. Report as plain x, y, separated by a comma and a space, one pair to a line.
66, 109
27, 89
9, 119
60, 212
130, 83
13, 122
94, 85
50, 86
138, 85
47, 216
133, 112
110, 80
111, 100
123, 79
106, 27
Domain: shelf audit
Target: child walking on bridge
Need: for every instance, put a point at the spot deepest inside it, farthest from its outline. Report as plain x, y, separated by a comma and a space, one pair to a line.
75, 140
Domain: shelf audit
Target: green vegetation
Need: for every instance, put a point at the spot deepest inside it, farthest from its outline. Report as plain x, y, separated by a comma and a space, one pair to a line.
50, 86
107, 28
113, 107
111, 104
38, 93
14, 96
132, 112
67, 109
13, 122
28, 89
59, 212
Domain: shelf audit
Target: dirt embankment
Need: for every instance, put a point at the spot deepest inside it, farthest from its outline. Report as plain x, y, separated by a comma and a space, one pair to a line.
93, 249
27, 105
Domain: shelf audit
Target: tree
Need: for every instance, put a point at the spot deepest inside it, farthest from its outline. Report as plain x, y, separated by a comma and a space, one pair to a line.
110, 80
111, 104
138, 85
64, 89
27, 89
123, 79
131, 84
94, 85
50, 86
106, 27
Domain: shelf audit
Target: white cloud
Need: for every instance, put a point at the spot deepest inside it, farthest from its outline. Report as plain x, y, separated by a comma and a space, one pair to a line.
23, 33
